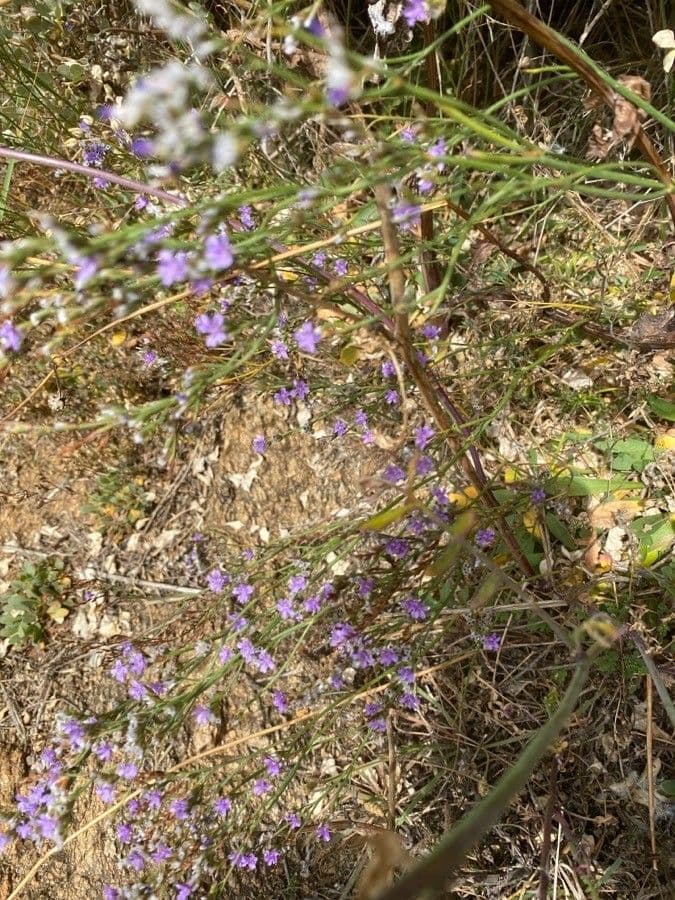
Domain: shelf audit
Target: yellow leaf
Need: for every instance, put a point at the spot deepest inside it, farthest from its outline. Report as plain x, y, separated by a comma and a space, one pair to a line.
531, 522
288, 275
349, 355
57, 613
387, 517
118, 338
510, 475
665, 441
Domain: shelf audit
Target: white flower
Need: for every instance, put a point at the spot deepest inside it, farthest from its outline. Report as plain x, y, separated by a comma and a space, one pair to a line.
666, 41
225, 151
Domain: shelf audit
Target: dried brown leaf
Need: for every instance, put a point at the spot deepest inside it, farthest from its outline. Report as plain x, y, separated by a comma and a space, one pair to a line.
389, 854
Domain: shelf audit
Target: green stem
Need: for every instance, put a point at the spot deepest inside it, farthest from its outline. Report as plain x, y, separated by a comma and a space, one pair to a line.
433, 872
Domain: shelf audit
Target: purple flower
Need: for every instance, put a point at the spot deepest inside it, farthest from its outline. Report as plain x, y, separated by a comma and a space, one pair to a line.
136, 662
388, 369
259, 444
415, 608
300, 389
119, 671
360, 418
105, 791
48, 827
237, 622
340, 427
393, 474
283, 396
341, 634
216, 580
246, 217
124, 832
218, 253
538, 495
264, 662
397, 547
224, 654
424, 466
10, 336
87, 267
297, 583
160, 854
153, 798
223, 806
127, 770
135, 860
271, 857
273, 766
280, 702
391, 398
180, 808
430, 331
388, 656
378, 724
415, 11
293, 820
406, 674
142, 146
172, 266
485, 538
409, 701
319, 259
423, 435
149, 358
110, 892
323, 833
183, 890
247, 650
437, 149
408, 134
103, 751
307, 337
406, 215
94, 153
312, 604
492, 642
243, 860
243, 592
203, 715
365, 587
279, 349
137, 690
213, 326
285, 608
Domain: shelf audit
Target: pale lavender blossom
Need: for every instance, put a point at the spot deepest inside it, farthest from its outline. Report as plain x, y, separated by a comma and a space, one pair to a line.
213, 326
307, 337
218, 253
415, 11
10, 336
172, 266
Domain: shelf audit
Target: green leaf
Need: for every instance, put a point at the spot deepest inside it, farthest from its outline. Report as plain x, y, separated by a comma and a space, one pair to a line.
560, 532
656, 535
665, 409
667, 787
575, 485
